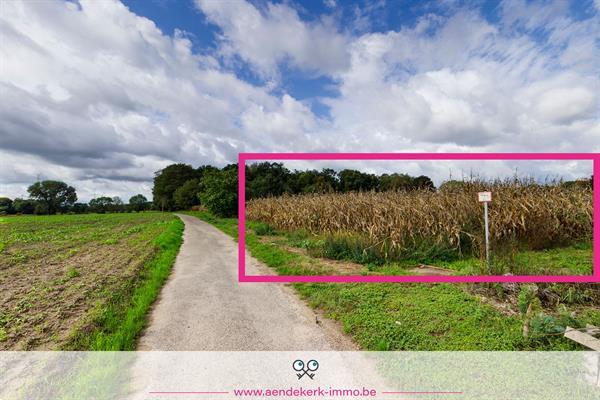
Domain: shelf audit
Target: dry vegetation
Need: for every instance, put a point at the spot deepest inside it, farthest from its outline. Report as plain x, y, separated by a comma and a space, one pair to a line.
523, 216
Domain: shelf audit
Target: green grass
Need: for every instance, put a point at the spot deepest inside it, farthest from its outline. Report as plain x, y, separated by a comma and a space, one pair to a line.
570, 260
400, 316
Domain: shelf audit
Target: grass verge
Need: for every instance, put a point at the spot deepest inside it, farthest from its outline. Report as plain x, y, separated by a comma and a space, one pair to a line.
575, 259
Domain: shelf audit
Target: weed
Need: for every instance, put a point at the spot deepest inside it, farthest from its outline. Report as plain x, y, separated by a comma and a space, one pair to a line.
262, 229
527, 294
72, 273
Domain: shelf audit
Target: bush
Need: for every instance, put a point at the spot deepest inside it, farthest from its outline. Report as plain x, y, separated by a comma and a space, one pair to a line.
6, 205
262, 229
22, 206
220, 192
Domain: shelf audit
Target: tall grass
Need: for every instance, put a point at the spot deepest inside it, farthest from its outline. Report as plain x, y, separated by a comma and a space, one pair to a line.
523, 215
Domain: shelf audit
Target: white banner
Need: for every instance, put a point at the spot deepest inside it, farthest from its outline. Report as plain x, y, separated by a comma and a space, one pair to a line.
299, 375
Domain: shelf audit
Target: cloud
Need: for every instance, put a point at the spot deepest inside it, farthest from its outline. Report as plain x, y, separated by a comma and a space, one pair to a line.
96, 89
266, 38
330, 3
461, 83
100, 97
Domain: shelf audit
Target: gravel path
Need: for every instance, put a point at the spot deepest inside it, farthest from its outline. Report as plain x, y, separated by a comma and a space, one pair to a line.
204, 307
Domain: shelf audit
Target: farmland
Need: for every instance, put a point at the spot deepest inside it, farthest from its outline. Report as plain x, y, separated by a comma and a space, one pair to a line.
81, 281
444, 227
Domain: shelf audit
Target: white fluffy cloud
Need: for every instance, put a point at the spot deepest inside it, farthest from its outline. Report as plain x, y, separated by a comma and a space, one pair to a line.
98, 96
275, 35
472, 85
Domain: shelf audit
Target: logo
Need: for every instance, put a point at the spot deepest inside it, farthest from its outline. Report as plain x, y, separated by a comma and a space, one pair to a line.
302, 369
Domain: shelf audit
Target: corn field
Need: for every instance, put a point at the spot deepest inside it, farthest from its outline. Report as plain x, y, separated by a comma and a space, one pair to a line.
522, 214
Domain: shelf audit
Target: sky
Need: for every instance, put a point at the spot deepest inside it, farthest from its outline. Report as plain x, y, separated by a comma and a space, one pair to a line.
440, 171
101, 94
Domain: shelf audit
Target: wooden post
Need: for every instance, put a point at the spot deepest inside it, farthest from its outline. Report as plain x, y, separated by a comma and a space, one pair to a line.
583, 338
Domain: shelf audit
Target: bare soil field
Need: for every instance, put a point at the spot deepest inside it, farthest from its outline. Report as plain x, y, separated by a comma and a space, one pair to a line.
59, 272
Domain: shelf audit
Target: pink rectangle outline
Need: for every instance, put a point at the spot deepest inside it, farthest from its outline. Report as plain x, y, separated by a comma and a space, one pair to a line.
243, 157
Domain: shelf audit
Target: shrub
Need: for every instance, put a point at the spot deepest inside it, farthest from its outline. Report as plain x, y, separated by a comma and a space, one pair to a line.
6, 205
262, 229
41, 209
220, 192
22, 206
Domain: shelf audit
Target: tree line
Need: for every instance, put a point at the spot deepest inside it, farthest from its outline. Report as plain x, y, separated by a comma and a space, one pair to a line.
181, 187
52, 197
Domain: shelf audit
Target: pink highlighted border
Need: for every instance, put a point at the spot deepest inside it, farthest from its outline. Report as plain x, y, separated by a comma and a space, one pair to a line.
243, 157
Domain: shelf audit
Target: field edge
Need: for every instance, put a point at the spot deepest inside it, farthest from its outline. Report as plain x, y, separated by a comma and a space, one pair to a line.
118, 326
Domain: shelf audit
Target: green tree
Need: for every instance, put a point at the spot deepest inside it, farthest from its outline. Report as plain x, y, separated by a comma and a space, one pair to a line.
353, 181
219, 192
24, 206
201, 170
168, 180
186, 195
6, 205
266, 179
101, 204
117, 205
79, 208
395, 182
138, 203
423, 182
55, 195
313, 181
41, 208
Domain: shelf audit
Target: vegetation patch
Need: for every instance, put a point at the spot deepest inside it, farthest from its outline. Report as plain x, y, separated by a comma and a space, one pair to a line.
446, 225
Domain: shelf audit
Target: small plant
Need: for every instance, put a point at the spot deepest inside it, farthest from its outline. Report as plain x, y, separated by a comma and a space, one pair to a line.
263, 229
527, 294
72, 273
542, 325
371, 267
573, 295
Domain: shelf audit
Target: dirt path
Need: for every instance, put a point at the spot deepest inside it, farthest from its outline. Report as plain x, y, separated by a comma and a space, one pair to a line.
204, 307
